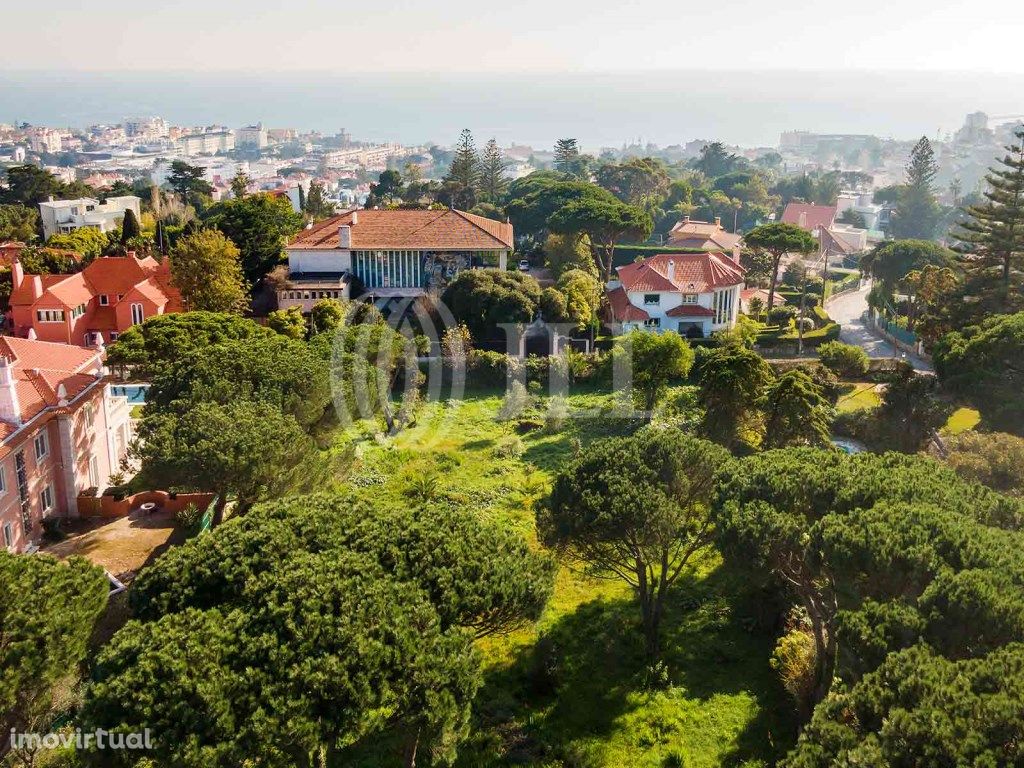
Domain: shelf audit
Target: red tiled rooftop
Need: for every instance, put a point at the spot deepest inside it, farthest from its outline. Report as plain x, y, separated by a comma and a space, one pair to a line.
809, 217
622, 309
694, 273
446, 230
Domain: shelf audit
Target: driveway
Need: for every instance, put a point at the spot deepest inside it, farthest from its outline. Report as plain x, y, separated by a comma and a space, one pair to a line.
848, 310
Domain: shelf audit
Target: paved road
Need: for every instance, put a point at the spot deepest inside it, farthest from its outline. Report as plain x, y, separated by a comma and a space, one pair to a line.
848, 310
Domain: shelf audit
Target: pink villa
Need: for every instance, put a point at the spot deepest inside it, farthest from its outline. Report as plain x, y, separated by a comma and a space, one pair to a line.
102, 301
61, 432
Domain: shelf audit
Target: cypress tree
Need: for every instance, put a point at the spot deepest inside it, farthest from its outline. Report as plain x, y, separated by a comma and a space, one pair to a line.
994, 234
129, 227
917, 211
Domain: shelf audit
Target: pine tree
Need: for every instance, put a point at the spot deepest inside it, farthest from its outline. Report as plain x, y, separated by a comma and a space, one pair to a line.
240, 184
917, 210
317, 206
493, 181
462, 183
994, 234
568, 158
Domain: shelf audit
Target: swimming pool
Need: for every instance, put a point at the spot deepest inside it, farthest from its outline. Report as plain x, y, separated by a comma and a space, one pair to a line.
136, 393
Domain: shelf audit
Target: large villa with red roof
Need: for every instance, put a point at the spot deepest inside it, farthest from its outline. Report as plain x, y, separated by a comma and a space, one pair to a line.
693, 294
392, 253
106, 298
61, 433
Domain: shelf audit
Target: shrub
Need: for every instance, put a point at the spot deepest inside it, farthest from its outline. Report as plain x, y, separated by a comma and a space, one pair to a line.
844, 360
515, 402
557, 414
188, 516
487, 369
782, 316
510, 447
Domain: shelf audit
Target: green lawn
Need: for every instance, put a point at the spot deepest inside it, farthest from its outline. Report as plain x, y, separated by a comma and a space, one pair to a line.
856, 397
567, 692
962, 420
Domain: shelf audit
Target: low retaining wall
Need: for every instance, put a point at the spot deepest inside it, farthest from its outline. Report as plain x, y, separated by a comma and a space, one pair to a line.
108, 506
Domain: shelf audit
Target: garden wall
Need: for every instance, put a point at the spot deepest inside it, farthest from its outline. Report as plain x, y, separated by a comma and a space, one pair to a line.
111, 506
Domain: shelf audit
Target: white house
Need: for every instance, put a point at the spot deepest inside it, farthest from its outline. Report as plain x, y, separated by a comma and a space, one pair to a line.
693, 294
63, 216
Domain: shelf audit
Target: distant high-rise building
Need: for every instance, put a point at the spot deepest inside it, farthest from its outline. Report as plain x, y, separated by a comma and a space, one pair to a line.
251, 136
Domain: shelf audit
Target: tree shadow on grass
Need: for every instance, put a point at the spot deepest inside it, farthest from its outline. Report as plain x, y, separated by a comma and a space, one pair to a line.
577, 689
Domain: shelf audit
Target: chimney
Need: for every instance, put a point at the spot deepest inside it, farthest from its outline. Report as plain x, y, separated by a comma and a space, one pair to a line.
131, 254
17, 273
671, 270
355, 218
686, 219
803, 220
718, 221
10, 408
36, 285
345, 237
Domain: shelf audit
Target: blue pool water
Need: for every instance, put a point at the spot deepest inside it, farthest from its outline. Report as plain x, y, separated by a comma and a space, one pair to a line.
136, 393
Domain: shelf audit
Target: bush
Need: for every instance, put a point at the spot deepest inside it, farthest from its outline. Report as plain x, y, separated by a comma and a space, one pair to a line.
782, 316
844, 360
188, 516
557, 414
487, 369
510, 447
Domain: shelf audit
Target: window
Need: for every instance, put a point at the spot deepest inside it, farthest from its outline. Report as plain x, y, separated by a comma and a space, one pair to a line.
114, 335
689, 298
652, 298
94, 471
88, 415
50, 315
78, 311
3, 481
46, 498
137, 314
41, 445
652, 323
104, 300
8, 536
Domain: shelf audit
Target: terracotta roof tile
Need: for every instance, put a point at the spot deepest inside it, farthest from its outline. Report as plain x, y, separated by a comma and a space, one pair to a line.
622, 309
427, 230
40, 368
691, 310
809, 217
694, 273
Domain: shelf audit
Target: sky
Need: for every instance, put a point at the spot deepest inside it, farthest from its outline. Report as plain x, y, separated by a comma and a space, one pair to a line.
457, 36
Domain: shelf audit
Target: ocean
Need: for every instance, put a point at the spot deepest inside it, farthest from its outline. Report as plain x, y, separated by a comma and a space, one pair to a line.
600, 109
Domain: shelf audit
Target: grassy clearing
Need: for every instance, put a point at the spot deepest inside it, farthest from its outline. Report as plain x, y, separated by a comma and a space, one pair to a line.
859, 396
567, 692
962, 420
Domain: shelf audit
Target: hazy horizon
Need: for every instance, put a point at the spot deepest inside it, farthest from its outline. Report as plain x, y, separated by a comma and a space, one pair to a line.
750, 108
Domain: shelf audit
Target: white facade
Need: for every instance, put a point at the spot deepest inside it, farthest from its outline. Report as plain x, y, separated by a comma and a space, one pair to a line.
251, 136
724, 303
206, 143
63, 216
862, 203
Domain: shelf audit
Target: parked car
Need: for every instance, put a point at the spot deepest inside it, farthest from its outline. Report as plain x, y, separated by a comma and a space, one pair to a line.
524, 265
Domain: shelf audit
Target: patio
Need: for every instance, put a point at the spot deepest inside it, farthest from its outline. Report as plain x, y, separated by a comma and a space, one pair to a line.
121, 546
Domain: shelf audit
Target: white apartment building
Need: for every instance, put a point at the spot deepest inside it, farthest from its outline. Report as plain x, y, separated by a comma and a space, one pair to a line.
206, 143
45, 140
252, 136
63, 216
